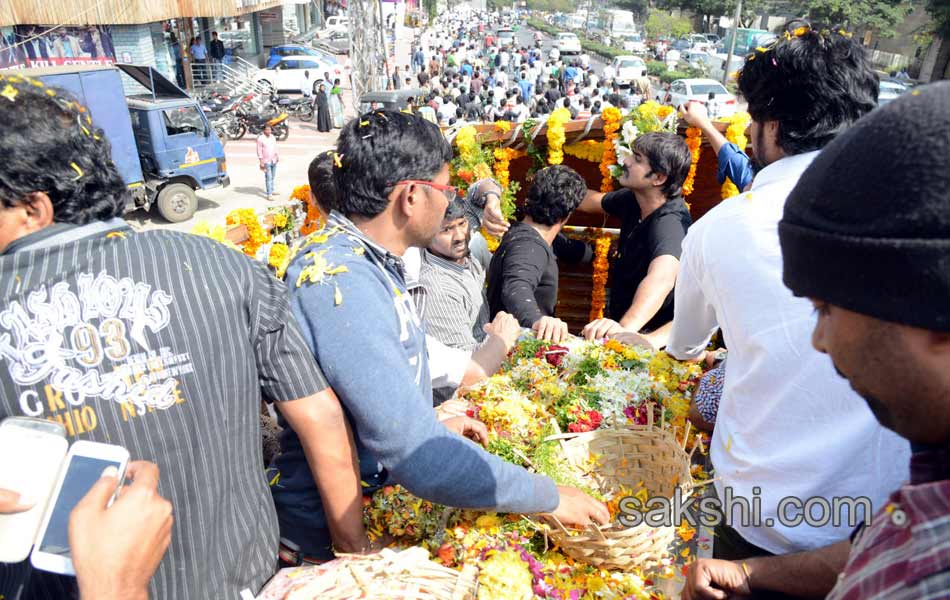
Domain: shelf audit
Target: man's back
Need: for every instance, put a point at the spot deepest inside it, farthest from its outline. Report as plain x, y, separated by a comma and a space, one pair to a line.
161, 342
786, 423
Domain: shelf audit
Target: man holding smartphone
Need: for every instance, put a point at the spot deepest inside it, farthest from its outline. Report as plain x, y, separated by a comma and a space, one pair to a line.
161, 342
115, 549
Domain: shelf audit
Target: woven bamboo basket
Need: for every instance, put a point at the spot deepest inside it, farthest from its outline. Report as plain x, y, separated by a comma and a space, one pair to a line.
646, 453
396, 575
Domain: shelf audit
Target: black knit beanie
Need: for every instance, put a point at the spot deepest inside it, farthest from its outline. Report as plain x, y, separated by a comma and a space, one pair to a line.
867, 228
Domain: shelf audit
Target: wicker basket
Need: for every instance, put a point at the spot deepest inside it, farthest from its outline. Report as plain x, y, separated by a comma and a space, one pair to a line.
397, 575
647, 453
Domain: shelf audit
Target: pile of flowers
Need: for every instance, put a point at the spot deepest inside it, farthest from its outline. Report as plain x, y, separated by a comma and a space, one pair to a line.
544, 389
649, 117
256, 235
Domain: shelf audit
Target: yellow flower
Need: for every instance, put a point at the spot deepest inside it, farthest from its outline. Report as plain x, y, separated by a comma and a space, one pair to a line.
735, 133
694, 140
556, 136
279, 258
503, 126
504, 576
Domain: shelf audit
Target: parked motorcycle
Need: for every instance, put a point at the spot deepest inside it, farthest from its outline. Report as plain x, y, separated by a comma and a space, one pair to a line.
302, 107
255, 123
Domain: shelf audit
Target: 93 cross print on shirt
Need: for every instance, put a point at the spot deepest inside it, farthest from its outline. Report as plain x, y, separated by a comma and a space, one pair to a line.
66, 346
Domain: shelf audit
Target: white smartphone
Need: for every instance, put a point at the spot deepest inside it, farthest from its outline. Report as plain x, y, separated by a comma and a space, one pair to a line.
83, 467
32, 452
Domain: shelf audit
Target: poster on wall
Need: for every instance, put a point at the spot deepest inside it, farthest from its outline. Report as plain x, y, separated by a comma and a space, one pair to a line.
39, 46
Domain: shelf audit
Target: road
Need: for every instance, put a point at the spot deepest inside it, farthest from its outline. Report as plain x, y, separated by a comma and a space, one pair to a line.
525, 38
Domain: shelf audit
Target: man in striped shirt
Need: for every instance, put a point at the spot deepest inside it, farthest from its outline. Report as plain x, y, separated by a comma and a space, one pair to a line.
161, 342
455, 307
872, 257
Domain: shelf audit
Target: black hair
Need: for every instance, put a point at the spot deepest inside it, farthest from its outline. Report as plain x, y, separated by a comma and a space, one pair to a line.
554, 194
668, 155
51, 145
322, 181
381, 148
814, 83
455, 210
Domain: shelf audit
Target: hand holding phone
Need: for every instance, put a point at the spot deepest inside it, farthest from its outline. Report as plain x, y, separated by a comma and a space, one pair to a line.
116, 549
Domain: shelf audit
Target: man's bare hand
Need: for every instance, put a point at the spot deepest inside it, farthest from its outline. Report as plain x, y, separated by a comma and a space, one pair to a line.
714, 579
601, 328
694, 113
632, 338
12, 502
577, 509
506, 328
550, 329
468, 427
116, 549
493, 220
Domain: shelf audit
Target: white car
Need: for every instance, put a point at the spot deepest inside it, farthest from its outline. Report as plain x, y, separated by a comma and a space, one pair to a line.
334, 24
889, 91
288, 74
505, 37
634, 44
568, 42
700, 43
705, 91
627, 68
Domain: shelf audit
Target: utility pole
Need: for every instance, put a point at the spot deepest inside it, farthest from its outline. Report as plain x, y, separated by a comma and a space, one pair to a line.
368, 46
732, 43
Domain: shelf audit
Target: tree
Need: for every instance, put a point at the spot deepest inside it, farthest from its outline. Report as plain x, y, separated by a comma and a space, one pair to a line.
878, 15
661, 24
711, 10
940, 11
431, 7
638, 7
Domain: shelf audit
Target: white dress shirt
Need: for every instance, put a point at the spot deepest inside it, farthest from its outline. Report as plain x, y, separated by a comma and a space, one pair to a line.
787, 423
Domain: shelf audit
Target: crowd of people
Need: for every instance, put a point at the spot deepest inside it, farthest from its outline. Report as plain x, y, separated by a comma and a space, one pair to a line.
397, 302
467, 75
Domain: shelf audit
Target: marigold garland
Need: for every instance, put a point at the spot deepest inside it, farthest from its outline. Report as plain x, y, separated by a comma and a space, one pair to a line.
589, 150
611, 117
314, 219
279, 258
694, 141
556, 136
735, 134
256, 236
598, 294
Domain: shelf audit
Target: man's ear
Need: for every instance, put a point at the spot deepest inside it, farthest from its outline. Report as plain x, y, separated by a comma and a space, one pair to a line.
38, 209
658, 179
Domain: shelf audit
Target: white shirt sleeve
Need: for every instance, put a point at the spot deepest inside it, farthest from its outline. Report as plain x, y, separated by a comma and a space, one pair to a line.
694, 317
446, 365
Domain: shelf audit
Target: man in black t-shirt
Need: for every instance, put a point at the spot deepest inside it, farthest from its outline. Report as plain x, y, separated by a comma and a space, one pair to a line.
523, 275
654, 219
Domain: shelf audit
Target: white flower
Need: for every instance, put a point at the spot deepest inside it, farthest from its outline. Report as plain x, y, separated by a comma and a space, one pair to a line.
623, 152
629, 132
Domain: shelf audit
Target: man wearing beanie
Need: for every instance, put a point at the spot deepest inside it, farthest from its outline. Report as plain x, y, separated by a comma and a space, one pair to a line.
787, 425
871, 253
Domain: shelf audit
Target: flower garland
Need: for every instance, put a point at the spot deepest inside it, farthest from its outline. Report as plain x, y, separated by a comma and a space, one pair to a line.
589, 150
598, 294
467, 142
556, 136
217, 233
279, 258
611, 117
314, 219
694, 141
256, 236
735, 134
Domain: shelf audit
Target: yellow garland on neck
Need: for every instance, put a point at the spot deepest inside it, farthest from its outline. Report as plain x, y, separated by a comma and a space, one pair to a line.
556, 136
735, 134
694, 141
611, 117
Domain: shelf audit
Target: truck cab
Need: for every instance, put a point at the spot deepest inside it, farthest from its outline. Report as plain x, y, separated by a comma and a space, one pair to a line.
162, 144
178, 149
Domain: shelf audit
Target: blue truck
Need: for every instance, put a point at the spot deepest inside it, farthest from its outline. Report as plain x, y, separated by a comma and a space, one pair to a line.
162, 143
